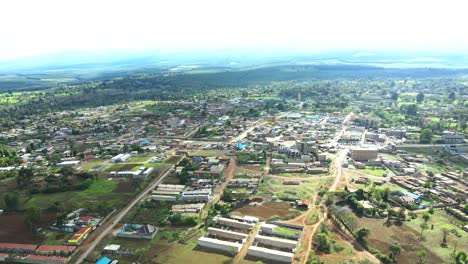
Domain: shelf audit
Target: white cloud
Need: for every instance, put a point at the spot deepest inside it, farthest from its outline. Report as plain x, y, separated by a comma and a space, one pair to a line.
35, 27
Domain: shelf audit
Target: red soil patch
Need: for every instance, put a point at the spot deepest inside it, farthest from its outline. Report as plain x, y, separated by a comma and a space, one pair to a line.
13, 229
265, 210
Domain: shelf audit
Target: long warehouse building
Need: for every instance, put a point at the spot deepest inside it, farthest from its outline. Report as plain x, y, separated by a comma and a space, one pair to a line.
219, 244
234, 223
226, 233
276, 242
271, 254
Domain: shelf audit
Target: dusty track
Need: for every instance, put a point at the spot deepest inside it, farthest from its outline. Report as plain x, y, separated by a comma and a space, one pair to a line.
88, 246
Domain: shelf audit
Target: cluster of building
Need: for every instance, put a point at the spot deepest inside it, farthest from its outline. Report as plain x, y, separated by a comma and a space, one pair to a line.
180, 193
229, 235
77, 220
140, 173
268, 246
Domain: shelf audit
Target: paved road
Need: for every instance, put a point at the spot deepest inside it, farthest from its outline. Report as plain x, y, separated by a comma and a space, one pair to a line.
107, 228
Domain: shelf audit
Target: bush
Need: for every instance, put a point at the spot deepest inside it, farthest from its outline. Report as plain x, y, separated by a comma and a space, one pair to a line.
381, 256
337, 247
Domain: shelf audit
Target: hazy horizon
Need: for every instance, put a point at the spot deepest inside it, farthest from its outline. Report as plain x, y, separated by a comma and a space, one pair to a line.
54, 27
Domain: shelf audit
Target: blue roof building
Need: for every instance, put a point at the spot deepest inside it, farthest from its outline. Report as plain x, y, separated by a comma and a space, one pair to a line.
145, 142
104, 260
412, 195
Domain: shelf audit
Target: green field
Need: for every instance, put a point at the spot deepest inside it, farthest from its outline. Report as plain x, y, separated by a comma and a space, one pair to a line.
89, 165
208, 152
274, 187
433, 238
100, 191
140, 158
376, 171
52, 237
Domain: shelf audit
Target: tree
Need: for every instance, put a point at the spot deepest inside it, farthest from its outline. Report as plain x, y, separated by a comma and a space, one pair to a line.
11, 201
426, 217
461, 258
394, 96
362, 235
409, 110
426, 136
422, 257
395, 250
390, 213
280, 107
54, 159
465, 209
452, 96
431, 210
428, 185
60, 219
24, 177
419, 98
323, 243
386, 194
445, 233
423, 227
32, 216
227, 196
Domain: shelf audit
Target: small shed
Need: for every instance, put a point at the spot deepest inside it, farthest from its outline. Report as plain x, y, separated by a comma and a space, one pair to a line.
111, 249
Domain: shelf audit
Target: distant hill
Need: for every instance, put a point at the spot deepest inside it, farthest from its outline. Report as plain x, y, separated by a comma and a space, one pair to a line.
222, 67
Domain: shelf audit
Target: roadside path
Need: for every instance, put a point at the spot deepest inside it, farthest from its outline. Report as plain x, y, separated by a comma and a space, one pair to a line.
86, 248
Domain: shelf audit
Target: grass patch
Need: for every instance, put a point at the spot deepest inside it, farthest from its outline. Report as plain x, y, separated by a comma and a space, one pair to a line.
140, 159
375, 171
52, 237
208, 152
287, 231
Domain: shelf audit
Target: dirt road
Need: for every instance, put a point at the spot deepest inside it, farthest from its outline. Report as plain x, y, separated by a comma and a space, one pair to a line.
245, 248
102, 231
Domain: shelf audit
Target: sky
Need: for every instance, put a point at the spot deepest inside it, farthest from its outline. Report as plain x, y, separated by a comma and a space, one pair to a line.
51, 26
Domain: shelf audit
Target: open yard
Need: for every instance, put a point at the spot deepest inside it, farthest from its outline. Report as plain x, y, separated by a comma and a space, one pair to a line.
151, 213
123, 167
141, 158
94, 165
265, 210
433, 237
165, 248
376, 171
300, 175
208, 152
306, 189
